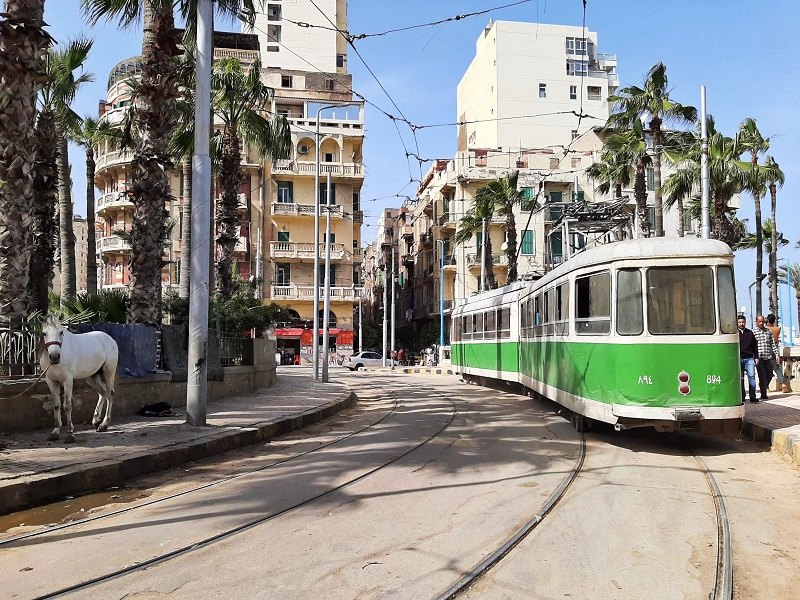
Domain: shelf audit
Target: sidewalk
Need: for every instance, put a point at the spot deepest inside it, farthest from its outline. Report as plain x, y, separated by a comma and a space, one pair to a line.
777, 422
34, 471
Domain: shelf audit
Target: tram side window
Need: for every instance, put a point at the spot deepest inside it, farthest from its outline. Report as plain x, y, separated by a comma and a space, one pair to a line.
523, 317
680, 300
504, 323
562, 309
727, 300
477, 326
593, 304
549, 311
455, 333
538, 321
490, 326
630, 314
466, 322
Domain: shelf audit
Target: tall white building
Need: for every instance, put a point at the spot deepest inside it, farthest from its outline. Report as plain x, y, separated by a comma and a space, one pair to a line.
521, 74
287, 45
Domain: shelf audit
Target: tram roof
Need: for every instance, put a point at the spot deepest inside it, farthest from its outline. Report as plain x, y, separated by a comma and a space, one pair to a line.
645, 248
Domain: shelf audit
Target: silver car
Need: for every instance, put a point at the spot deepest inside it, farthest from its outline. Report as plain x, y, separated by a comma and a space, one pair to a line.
365, 359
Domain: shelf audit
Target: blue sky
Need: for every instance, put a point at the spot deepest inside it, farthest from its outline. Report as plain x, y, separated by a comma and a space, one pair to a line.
740, 50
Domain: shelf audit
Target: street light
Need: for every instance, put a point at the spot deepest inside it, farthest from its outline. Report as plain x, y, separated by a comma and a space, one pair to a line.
315, 347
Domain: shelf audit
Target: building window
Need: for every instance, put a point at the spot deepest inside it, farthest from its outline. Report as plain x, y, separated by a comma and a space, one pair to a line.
554, 163
327, 157
527, 246
340, 58
283, 274
574, 133
329, 85
356, 202
576, 46
480, 158
283, 236
273, 12
286, 81
576, 161
472, 137
542, 90
285, 192
577, 67
528, 197
273, 48
274, 33
593, 92
650, 176
323, 193
573, 92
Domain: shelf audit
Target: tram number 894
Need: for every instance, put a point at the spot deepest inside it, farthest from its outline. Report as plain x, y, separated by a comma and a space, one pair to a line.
714, 379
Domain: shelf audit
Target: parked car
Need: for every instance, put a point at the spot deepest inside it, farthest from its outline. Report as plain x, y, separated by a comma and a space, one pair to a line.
365, 359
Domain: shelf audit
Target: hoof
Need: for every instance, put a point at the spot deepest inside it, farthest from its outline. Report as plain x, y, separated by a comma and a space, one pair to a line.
52, 437
69, 439
101, 427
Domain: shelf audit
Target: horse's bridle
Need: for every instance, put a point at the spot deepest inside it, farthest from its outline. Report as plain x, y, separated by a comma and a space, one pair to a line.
53, 343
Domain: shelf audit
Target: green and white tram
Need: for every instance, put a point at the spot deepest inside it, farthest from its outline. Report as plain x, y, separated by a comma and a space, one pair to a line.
635, 333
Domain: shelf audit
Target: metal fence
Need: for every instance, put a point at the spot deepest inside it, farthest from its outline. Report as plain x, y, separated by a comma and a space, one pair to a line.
234, 350
18, 351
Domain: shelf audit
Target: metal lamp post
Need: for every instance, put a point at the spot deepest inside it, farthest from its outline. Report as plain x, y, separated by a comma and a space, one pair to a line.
315, 347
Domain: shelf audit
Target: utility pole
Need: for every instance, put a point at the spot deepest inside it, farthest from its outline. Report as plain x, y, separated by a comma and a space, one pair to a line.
394, 278
197, 381
483, 255
326, 322
360, 330
705, 219
441, 303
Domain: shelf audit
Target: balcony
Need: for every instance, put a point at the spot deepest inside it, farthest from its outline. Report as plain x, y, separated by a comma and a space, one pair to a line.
306, 292
112, 243
114, 200
110, 159
426, 239
241, 245
447, 221
291, 209
407, 232
295, 251
358, 216
450, 263
302, 167
474, 261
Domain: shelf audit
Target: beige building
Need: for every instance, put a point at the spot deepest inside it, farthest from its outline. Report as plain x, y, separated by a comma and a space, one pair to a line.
81, 257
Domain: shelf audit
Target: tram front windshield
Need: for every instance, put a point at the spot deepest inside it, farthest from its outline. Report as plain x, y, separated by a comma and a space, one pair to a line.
680, 300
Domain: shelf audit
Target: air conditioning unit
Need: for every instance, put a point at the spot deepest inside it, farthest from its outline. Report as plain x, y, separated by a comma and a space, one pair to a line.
302, 149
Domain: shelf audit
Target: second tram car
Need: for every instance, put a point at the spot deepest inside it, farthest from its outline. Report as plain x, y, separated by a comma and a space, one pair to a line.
634, 333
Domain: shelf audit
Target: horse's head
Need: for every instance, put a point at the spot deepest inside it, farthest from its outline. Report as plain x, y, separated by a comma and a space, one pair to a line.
52, 336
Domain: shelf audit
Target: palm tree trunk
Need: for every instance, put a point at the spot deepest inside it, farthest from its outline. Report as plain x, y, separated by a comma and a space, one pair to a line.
91, 242
226, 218
655, 125
23, 42
66, 232
186, 230
45, 189
511, 246
773, 251
151, 161
491, 282
679, 211
759, 253
640, 195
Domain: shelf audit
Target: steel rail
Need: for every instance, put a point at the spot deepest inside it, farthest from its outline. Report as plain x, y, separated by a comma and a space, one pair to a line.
723, 582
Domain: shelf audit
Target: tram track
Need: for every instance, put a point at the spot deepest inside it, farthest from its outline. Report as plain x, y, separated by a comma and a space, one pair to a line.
45, 531
251, 523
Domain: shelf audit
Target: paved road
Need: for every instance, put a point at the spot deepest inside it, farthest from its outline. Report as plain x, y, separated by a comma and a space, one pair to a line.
400, 496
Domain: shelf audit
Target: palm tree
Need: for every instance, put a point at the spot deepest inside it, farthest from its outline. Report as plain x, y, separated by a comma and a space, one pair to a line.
634, 103
90, 133
629, 147
502, 195
751, 241
793, 272
23, 41
186, 230
775, 178
749, 139
473, 221
158, 88
238, 101
726, 177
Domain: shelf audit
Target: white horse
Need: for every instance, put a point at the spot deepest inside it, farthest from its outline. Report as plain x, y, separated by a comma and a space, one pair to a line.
66, 357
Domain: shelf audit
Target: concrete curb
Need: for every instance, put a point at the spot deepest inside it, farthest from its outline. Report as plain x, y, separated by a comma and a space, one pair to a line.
783, 441
412, 370
81, 479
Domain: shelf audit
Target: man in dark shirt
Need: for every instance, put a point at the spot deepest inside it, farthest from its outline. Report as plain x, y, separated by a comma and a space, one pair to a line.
748, 355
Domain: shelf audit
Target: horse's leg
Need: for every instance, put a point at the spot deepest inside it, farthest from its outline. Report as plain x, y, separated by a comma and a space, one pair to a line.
55, 394
70, 437
109, 373
96, 383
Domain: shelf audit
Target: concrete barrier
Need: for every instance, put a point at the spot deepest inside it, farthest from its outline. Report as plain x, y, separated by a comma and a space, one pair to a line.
34, 409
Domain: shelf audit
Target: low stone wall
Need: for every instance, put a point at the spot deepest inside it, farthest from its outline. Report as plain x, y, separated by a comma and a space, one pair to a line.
34, 409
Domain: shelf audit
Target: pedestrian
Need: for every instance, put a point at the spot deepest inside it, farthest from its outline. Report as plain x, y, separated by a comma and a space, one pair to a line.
401, 356
783, 381
767, 357
748, 350
278, 357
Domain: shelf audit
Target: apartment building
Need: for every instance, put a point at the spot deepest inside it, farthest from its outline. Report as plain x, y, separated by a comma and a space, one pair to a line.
307, 68
81, 257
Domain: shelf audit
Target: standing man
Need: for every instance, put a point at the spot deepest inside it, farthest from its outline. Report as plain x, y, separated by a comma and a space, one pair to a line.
748, 350
767, 356
776, 335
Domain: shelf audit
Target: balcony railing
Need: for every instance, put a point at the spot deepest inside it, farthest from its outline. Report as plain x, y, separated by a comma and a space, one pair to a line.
112, 243
306, 292
114, 200
298, 167
474, 260
304, 210
297, 250
114, 157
